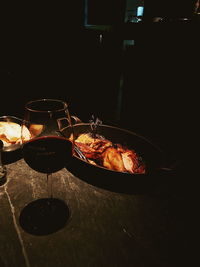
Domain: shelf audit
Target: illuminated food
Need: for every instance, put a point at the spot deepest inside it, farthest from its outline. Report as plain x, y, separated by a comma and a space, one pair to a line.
112, 160
35, 129
102, 152
10, 133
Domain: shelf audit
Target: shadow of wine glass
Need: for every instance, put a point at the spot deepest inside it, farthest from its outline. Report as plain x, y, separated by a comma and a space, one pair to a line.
44, 216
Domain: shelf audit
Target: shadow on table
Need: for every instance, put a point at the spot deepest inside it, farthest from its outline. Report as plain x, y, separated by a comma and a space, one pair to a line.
44, 216
159, 182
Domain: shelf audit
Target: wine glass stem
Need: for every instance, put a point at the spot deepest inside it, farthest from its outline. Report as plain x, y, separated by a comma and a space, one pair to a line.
2, 172
49, 185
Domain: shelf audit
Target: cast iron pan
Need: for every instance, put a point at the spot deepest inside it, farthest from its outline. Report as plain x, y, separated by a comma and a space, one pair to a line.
152, 155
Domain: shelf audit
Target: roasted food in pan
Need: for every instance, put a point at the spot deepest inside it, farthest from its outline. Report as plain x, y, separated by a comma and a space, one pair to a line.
102, 152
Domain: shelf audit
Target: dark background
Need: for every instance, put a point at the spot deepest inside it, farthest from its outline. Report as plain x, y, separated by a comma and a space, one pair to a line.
47, 52
102, 12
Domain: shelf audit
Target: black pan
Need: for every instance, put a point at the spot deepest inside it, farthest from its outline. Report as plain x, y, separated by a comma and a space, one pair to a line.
151, 154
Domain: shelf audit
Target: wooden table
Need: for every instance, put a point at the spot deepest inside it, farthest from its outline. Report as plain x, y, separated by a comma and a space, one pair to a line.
105, 228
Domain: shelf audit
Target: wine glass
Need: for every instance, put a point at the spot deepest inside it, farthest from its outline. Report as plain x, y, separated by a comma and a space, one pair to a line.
45, 152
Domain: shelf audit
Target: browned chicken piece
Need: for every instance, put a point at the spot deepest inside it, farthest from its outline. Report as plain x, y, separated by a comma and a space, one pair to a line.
112, 160
85, 138
141, 169
131, 163
100, 145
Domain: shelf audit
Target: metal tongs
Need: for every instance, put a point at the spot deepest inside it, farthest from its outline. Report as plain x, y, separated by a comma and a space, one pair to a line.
76, 148
79, 153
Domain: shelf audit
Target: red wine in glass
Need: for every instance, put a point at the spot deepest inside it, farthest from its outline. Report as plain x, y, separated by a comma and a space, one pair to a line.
45, 152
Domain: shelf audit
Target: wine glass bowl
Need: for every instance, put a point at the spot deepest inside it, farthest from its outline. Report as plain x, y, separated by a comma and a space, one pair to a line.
45, 152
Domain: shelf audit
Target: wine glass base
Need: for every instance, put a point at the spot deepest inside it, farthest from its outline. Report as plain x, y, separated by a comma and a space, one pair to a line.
44, 216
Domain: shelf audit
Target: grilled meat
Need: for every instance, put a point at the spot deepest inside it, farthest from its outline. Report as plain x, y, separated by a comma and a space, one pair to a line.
131, 162
112, 160
103, 152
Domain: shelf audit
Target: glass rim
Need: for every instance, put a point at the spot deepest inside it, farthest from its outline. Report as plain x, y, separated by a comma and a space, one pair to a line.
65, 106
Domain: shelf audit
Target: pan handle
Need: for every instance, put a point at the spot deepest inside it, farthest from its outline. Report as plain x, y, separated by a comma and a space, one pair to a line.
64, 122
172, 168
